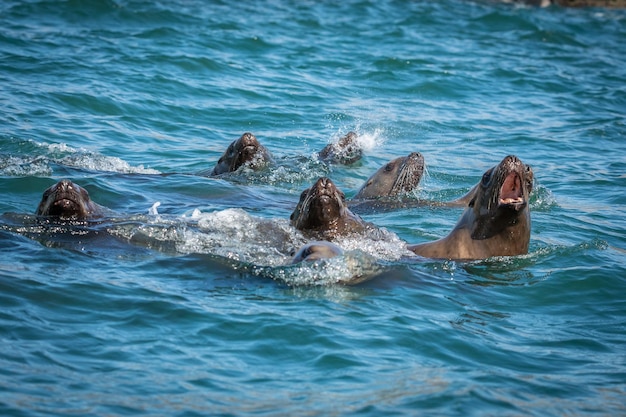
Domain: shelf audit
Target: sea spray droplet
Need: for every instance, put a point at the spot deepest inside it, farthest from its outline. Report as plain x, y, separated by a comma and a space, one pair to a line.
153, 210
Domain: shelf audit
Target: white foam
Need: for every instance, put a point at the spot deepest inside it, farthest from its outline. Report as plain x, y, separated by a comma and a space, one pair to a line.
97, 162
263, 246
351, 268
21, 167
64, 154
235, 234
378, 243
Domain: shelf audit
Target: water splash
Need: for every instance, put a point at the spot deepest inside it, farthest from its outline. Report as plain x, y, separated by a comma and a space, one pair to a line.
351, 268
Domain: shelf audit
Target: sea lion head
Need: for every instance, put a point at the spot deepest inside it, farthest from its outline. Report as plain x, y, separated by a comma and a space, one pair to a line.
398, 176
500, 199
66, 200
315, 251
346, 150
245, 150
320, 206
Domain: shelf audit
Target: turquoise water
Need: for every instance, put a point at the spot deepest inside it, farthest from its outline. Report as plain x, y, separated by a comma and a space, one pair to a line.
189, 310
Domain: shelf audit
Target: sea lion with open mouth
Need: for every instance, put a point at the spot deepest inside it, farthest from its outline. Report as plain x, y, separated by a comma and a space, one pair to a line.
322, 213
67, 200
496, 221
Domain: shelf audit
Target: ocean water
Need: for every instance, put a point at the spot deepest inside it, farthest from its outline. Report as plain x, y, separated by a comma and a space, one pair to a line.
180, 303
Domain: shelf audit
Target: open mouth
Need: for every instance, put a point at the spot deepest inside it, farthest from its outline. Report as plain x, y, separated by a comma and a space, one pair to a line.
64, 206
325, 199
249, 152
511, 192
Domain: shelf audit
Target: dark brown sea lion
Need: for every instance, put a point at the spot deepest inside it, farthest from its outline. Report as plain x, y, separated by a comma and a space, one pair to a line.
67, 200
245, 150
496, 221
317, 250
346, 150
322, 212
398, 176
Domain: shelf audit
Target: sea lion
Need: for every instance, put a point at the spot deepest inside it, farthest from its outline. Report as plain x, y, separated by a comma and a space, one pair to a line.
67, 200
317, 250
245, 150
496, 221
322, 212
400, 175
346, 150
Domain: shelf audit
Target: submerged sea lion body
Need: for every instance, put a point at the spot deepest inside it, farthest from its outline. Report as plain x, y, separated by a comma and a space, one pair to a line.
317, 250
346, 150
496, 221
68, 200
322, 212
245, 150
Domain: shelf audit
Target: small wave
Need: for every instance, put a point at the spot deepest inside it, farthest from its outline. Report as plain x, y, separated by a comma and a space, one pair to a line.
542, 199
96, 162
22, 166
42, 157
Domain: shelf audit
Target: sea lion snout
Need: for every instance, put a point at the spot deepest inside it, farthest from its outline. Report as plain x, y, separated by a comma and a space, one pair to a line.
66, 199
512, 163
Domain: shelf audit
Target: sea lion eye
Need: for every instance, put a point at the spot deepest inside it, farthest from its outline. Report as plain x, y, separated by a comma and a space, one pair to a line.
486, 178
388, 167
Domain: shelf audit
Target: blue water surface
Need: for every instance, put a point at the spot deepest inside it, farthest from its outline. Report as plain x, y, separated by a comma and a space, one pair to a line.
181, 303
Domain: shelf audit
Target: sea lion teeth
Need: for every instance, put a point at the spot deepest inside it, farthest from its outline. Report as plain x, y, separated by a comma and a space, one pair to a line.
511, 200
